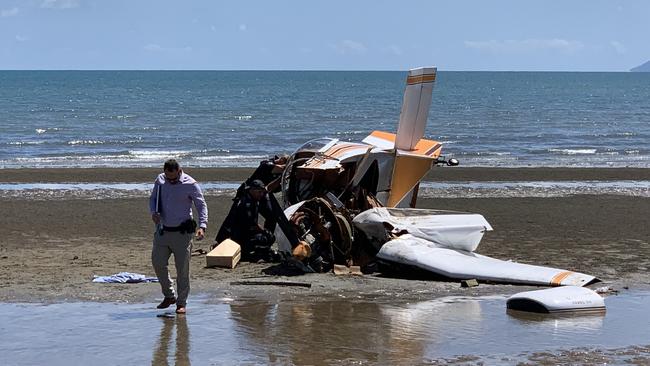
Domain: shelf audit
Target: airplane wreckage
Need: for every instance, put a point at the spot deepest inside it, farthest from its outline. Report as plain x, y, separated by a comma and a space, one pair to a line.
349, 203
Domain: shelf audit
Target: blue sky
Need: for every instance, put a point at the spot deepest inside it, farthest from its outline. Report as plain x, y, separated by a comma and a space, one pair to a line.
326, 35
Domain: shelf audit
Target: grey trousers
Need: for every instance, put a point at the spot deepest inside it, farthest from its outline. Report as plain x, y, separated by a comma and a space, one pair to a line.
163, 247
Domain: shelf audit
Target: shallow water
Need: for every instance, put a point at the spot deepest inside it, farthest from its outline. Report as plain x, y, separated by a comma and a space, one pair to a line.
317, 331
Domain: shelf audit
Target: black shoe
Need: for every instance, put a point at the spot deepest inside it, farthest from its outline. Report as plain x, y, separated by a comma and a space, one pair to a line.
166, 303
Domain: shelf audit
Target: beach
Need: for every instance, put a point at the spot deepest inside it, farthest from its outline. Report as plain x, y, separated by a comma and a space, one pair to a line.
533, 121
51, 249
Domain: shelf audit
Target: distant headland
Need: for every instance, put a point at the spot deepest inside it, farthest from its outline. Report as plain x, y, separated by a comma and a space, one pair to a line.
642, 68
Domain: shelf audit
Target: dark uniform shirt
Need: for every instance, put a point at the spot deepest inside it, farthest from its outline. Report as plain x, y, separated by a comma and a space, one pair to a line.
241, 224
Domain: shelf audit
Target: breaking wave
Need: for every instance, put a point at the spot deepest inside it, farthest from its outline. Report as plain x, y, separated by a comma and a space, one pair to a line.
573, 151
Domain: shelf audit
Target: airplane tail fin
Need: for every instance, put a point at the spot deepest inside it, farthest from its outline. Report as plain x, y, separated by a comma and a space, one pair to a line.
414, 156
415, 107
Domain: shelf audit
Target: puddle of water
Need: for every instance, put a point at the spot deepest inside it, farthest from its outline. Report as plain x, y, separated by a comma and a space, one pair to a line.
328, 331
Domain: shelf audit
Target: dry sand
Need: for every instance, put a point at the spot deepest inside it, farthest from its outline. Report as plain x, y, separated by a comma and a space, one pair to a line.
50, 250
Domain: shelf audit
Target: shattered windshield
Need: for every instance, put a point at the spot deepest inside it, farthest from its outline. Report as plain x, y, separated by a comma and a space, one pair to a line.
316, 144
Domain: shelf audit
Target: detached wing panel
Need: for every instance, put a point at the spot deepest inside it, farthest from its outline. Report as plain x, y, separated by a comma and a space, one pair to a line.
457, 264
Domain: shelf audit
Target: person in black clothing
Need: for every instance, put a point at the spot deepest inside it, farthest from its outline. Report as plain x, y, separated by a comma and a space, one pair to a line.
241, 224
268, 173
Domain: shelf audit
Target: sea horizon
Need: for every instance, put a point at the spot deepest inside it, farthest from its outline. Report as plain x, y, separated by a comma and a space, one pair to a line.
137, 118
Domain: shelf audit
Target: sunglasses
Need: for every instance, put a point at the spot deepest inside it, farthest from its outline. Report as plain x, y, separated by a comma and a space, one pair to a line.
170, 179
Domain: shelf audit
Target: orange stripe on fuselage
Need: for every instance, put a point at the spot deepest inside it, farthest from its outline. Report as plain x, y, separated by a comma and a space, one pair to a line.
334, 152
338, 151
558, 278
336, 148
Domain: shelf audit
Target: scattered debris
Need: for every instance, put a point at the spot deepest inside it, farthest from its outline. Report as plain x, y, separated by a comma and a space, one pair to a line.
271, 283
227, 254
469, 283
340, 270
198, 252
606, 290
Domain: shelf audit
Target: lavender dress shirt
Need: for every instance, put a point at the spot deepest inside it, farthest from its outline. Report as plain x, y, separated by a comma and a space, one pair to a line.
176, 200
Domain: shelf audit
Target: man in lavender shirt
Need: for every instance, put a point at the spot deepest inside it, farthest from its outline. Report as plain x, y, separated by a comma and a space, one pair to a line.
170, 205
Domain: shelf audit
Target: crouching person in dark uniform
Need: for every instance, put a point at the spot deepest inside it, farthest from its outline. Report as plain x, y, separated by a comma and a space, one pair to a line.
268, 172
241, 224
170, 204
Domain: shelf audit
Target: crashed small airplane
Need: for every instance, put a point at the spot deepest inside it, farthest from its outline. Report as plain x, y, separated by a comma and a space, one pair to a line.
351, 203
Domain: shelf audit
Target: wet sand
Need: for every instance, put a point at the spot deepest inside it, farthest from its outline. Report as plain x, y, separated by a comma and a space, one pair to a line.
50, 250
61, 175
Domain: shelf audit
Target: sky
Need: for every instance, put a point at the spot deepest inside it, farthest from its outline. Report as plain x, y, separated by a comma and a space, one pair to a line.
581, 35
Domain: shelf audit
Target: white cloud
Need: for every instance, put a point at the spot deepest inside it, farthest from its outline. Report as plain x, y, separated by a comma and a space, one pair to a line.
394, 50
213, 28
350, 47
20, 38
4, 13
60, 4
152, 47
618, 46
242, 27
526, 45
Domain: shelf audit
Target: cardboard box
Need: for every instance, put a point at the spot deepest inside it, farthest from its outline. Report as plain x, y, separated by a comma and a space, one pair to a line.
227, 254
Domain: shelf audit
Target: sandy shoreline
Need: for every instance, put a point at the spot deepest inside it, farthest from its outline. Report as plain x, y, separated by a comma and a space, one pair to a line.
49, 250
89, 175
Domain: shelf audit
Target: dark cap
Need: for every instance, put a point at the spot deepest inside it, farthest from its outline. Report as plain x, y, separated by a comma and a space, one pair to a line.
256, 184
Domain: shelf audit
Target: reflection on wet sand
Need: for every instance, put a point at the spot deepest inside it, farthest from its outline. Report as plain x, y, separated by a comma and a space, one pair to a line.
384, 333
324, 332
561, 326
161, 353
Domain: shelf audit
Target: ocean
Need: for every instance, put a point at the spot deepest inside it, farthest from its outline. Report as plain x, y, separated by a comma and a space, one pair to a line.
236, 118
